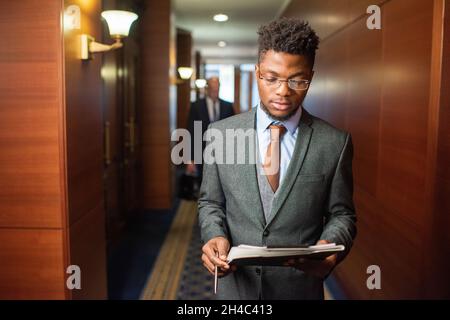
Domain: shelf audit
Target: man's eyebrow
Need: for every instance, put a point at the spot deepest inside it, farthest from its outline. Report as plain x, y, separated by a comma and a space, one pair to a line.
271, 71
300, 73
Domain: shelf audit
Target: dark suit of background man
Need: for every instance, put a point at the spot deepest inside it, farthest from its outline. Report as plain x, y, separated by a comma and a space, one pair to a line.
307, 201
206, 110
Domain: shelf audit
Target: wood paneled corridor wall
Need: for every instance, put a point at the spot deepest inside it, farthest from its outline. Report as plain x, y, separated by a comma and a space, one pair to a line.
388, 88
58, 169
51, 159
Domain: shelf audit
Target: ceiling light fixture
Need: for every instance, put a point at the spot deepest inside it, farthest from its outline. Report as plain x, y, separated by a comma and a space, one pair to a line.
220, 17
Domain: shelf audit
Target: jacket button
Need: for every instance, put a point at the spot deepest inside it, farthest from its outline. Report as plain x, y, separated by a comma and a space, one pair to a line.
258, 271
266, 233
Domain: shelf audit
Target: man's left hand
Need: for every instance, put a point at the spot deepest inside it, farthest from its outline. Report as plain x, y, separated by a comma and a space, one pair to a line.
318, 268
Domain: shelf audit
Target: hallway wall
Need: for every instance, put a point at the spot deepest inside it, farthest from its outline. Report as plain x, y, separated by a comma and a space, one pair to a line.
437, 260
51, 204
383, 86
32, 166
157, 104
84, 134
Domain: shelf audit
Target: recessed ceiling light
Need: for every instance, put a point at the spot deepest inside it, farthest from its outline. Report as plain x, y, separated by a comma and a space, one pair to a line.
222, 44
220, 17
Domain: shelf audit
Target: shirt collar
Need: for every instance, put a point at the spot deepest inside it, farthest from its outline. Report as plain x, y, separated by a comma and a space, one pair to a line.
264, 120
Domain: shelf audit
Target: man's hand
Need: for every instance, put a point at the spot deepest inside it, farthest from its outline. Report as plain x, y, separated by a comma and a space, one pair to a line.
215, 253
318, 268
191, 168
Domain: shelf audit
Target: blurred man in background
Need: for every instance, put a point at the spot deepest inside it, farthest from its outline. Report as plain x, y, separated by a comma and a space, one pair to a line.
207, 110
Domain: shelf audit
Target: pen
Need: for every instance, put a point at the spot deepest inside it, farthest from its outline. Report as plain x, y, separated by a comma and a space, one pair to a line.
215, 276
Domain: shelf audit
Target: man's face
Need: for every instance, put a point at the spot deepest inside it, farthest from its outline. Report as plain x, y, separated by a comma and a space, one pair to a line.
281, 102
213, 88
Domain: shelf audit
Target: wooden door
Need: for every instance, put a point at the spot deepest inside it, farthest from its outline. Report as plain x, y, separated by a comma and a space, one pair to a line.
120, 124
130, 124
113, 141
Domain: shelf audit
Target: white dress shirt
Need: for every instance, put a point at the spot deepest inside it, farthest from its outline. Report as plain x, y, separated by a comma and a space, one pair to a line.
213, 108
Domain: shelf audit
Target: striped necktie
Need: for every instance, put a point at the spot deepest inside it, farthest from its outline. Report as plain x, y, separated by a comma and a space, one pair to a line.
271, 163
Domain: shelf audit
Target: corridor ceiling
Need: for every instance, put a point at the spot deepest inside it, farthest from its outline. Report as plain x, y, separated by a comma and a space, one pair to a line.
239, 32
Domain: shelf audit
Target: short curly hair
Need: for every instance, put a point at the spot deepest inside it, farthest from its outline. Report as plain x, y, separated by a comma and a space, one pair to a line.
288, 35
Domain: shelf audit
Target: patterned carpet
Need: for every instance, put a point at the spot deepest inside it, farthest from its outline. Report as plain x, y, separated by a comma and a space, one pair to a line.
164, 279
178, 272
196, 282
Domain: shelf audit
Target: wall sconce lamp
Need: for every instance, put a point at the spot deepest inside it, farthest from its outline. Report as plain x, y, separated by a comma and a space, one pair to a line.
185, 72
119, 23
200, 83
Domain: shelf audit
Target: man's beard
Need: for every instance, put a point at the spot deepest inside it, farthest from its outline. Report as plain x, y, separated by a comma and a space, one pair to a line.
282, 118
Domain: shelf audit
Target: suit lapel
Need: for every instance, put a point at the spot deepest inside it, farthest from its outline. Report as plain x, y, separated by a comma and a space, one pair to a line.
249, 174
221, 110
298, 156
204, 114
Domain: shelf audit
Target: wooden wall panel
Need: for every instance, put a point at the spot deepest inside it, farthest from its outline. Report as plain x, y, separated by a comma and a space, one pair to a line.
87, 238
377, 85
32, 159
437, 258
329, 16
156, 172
363, 105
337, 80
84, 121
406, 81
51, 142
84, 115
30, 113
31, 264
155, 105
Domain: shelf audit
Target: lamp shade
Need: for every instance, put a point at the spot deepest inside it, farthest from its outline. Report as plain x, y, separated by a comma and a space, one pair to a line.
119, 22
185, 72
200, 83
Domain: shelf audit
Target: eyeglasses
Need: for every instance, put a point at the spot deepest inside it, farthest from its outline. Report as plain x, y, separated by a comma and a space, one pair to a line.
274, 82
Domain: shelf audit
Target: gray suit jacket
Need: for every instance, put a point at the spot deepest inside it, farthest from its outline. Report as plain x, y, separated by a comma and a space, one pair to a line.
314, 202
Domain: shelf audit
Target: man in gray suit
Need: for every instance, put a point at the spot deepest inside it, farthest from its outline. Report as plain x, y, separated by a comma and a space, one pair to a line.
306, 200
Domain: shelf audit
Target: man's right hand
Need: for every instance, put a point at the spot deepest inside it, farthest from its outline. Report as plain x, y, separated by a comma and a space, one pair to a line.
215, 253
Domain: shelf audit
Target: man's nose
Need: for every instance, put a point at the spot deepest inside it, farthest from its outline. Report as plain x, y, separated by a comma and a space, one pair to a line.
283, 89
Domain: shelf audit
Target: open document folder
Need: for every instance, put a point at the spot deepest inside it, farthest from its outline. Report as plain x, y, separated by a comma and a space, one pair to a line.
245, 255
